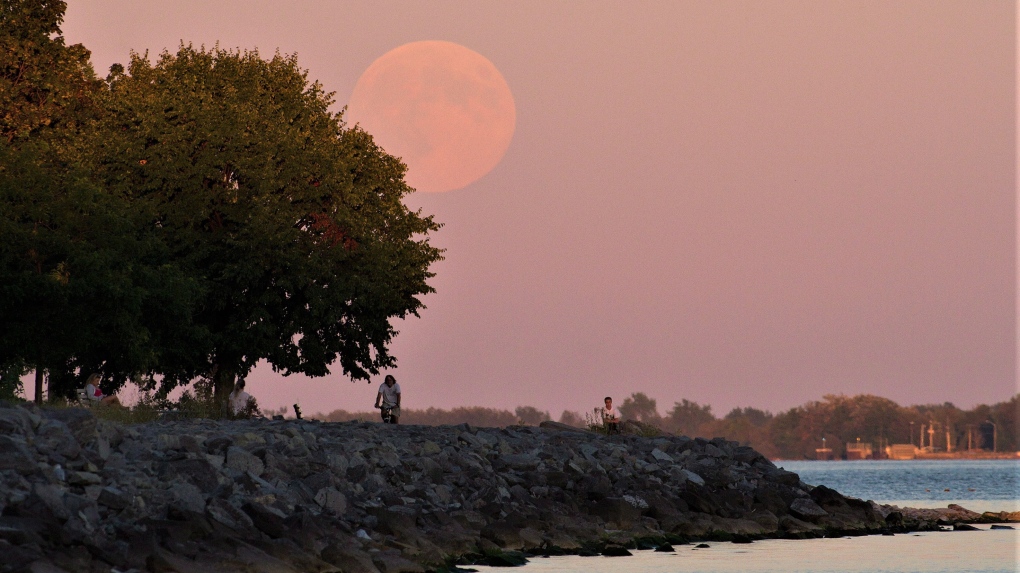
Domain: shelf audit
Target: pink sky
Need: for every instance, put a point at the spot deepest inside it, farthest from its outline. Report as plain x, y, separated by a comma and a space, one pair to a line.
736, 203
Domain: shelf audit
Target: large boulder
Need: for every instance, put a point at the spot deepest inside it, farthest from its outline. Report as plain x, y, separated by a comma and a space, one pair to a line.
79, 421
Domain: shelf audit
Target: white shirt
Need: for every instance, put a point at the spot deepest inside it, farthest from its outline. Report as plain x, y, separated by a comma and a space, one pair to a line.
389, 394
610, 415
238, 400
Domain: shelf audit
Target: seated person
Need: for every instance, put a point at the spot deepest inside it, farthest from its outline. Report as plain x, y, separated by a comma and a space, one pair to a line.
93, 393
610, 418
238, 398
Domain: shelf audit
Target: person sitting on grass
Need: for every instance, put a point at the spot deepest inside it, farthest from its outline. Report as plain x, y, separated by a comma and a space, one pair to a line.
238, 399
94, 394
610, 418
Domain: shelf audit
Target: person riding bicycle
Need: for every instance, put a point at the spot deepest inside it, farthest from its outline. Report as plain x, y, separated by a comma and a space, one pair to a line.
388, 400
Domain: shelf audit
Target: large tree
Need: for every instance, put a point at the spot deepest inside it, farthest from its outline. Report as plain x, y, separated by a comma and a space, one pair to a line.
83, 287
291, 222
75, 272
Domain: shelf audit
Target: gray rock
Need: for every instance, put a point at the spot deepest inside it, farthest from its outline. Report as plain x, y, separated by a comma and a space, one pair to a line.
349, 557
693, 477
332, 500
84, 508
223, 512
15, 455
805, 508
53, 497
83, 478
241, 460
80, 422
114, 498
661, 456
267, 519
103, 448
15, 421
188, 497
394, 563
166, 442
521, 462
199, 472
550, 425
616, 511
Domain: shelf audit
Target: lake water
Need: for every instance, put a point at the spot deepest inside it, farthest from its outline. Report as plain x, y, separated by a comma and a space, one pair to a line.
984, 551
980, 485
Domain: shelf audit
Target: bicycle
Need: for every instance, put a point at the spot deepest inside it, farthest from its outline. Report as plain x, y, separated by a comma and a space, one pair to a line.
387, 415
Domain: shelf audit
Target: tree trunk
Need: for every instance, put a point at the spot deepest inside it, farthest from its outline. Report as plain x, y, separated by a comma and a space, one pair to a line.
223, 385
38, 384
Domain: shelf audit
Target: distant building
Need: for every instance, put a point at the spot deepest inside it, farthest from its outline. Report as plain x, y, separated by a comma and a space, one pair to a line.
901, 451
859, 451
824, 454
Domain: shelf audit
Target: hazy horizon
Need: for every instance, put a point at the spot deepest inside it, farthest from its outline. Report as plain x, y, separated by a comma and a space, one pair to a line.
736, 203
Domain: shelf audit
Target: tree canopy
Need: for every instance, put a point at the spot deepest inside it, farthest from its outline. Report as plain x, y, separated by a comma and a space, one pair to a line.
191, 216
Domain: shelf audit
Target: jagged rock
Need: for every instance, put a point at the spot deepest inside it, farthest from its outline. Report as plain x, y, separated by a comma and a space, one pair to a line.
302, 496
267, 519
80, 422
198, 471
15, 421
54, 436
52, 497
550, 425
15, 455
188, 497
332, 500
349, 558
240, 460
225, 514
616, 551
693, 477
83, 478
805, 508
616, 511
661, 456
790, 524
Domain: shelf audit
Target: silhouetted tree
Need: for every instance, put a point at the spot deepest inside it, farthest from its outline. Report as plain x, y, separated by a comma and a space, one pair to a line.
641, 408
291, 223
530, 415
688, 418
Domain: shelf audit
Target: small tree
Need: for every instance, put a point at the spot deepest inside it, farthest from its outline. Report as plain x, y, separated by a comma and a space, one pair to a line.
531, 416
689, 418
641, 408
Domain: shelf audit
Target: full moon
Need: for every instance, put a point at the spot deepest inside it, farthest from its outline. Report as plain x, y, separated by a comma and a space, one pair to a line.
444, 109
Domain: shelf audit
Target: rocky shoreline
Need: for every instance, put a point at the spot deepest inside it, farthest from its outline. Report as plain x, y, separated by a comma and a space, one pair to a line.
81, 494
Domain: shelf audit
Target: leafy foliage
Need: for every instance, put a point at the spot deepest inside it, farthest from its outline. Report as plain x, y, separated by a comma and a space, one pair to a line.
292, 224
45, 85
190, 217
639, 407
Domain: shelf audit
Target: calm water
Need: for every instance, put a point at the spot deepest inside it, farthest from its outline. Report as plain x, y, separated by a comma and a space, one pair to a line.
984, 551
980, 485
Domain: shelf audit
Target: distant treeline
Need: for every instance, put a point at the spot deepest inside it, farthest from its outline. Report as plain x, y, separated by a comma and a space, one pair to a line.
793, 434
476, 416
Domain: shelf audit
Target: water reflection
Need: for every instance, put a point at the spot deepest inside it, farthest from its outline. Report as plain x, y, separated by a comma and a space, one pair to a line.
983, 551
